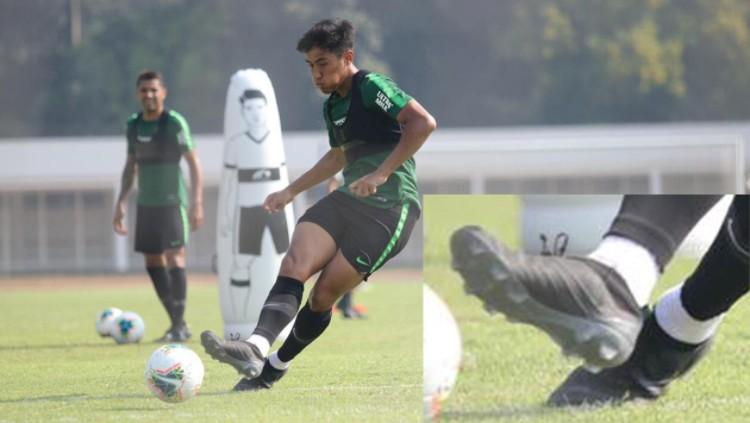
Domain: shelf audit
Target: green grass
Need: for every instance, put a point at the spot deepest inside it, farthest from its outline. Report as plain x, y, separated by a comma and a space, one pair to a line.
509, 369
55, 368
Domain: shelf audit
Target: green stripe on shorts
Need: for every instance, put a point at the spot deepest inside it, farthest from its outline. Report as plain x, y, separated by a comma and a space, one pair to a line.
185, 225
394, 238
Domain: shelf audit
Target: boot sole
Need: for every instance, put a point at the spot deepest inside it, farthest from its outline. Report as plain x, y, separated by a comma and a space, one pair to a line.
601, 343
212, 344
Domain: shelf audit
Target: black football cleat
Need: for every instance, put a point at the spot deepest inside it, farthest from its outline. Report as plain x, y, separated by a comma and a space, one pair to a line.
185, 332
584, 306
267, 378
178, 334
656, 361
241, 355
166, 338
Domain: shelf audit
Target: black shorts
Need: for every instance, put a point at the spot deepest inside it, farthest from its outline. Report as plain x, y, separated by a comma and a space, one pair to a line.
253, 222
367, 236
160, 228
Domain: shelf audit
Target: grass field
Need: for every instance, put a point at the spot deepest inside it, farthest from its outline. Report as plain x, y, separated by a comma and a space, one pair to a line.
509, 370
54, 366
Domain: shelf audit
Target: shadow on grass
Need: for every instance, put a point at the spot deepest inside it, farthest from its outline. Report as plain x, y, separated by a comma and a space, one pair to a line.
85, 397
508, 412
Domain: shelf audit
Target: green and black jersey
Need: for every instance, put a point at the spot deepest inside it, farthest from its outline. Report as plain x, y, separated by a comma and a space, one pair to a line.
158, 146
363, 124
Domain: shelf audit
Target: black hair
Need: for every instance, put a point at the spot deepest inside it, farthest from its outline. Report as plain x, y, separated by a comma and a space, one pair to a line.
148, 75
335, 35
248, 94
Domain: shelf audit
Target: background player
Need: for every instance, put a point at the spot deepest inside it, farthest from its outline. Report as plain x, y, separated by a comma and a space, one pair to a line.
157, 140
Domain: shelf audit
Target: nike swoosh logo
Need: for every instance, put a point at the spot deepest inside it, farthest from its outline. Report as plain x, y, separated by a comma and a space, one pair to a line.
361, 261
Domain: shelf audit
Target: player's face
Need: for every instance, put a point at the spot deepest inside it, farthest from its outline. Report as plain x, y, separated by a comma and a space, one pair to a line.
151, 94
254, 112
328, 70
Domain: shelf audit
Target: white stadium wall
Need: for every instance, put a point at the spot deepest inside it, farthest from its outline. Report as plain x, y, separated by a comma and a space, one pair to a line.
56, 193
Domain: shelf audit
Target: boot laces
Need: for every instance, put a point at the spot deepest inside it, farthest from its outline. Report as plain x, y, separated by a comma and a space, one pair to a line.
559, 244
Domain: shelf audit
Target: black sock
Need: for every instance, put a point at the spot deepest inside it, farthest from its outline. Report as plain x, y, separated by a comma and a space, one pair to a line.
660, 222
160, 279
658, 358
280, 307
179, 295
307, 328
722, 277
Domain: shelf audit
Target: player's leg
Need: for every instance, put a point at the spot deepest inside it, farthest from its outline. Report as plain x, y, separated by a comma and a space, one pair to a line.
348, 309
374, 236
171, 229
679, 333
312, 247
156, 267
178, 279
588, 305
150, 241
645, 234
693, 314
337, 278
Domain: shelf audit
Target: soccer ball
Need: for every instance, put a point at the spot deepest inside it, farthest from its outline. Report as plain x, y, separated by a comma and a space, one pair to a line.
174, 373
105, 320
441, 346
128, 328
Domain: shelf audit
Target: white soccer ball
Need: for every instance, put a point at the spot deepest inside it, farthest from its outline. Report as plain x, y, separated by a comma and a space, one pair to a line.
105, 320
441, 348
174, 373
128, 328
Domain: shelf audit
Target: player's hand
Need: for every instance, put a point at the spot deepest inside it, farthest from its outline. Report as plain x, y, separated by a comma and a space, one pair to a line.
118, 222
276, 201
196, 216
367, 185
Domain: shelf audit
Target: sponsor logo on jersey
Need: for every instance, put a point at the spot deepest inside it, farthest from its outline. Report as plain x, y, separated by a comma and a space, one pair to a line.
339, 122
383, 101
140, 138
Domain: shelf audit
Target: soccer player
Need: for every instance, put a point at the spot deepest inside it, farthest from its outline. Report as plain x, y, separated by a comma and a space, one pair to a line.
591, 306
374, 129
157, 140
681, 328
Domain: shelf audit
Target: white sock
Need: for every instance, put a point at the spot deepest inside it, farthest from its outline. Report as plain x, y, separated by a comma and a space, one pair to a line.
679, 324
632, 261
261, 343
276, 362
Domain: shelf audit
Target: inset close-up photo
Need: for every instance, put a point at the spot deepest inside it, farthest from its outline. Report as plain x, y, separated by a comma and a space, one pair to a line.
554, 307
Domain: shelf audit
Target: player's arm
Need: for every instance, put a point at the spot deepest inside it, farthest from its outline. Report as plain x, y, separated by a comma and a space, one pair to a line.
328, 165
185, 139
126, 186
196, 189
417, 124
381, 94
